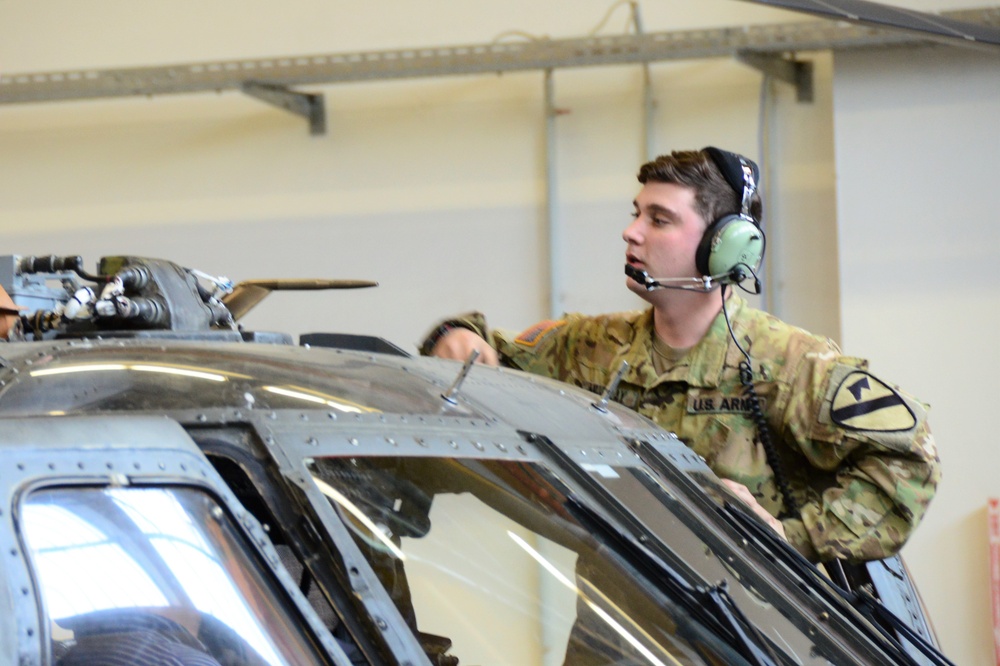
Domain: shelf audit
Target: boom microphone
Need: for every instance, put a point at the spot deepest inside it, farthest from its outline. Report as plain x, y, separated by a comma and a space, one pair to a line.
703, 284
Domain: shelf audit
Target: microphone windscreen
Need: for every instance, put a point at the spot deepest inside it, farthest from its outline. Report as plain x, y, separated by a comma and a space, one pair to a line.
636, 274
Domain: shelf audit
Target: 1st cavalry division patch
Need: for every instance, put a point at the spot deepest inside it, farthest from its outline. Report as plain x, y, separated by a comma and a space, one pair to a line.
863, 402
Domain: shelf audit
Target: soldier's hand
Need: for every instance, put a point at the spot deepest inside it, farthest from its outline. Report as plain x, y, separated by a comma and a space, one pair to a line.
744, 494
458, 343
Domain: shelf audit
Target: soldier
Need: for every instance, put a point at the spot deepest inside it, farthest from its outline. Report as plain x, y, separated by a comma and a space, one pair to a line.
852, 464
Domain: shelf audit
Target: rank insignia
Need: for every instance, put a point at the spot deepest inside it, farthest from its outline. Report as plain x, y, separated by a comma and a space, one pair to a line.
863, 402
533, 335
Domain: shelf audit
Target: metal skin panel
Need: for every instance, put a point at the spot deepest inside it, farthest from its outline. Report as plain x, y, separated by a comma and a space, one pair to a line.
94, 450
85, 376
78, 377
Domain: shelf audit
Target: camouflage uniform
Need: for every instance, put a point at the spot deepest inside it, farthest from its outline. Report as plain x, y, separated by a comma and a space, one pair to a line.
858, 453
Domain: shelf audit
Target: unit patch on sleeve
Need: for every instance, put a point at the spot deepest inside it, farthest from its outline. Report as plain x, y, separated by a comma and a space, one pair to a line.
863, 402
533, 335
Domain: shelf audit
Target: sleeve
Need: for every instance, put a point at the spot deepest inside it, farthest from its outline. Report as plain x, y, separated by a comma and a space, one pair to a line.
544, 348
874, 442
474, 321
578, 349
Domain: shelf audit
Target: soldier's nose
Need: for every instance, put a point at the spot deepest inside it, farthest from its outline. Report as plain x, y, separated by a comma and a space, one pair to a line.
631, 233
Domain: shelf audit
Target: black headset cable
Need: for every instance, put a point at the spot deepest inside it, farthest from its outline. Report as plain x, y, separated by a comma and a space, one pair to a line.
790, 508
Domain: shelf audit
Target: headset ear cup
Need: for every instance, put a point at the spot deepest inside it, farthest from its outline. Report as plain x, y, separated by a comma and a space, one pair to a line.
731, 242
703, 256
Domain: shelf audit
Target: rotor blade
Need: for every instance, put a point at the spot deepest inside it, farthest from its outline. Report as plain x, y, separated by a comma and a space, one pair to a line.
249, 293
877, 15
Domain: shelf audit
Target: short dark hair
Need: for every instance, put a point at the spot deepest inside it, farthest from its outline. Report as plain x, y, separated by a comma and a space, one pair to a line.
714, 197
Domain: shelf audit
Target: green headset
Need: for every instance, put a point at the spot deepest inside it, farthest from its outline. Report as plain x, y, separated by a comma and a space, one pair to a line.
733, 245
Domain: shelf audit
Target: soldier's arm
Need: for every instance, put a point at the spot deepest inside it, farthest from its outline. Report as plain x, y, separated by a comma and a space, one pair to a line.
876, 441
544, 348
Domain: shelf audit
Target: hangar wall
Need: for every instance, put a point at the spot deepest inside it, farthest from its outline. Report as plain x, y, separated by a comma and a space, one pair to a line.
919, 246
437, 192
435, 187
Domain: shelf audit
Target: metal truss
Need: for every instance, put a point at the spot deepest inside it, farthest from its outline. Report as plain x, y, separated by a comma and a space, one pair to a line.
767, 47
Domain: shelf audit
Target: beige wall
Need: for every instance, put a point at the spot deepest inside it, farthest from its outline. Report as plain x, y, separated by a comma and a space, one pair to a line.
917, 140
436, 189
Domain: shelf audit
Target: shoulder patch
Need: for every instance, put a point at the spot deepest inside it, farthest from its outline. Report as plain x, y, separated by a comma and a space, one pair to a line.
863, 402
532, 336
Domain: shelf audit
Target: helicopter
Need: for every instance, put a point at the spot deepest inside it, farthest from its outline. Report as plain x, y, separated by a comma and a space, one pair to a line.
180, 490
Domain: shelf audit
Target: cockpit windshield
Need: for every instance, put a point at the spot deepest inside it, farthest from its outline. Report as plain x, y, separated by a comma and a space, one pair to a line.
487, 563
656, 506
155, 575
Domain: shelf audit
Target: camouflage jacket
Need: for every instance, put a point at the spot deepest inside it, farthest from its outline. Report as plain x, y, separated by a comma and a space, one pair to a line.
858, 454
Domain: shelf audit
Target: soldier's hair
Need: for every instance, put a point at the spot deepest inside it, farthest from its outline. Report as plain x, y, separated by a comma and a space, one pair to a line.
714, 197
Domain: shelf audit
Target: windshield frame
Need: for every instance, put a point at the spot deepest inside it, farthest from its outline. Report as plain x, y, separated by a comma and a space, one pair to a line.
626, 563
693, 493
293, 438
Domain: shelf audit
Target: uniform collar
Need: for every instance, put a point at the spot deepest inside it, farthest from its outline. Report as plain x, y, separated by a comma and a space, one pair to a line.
702, 366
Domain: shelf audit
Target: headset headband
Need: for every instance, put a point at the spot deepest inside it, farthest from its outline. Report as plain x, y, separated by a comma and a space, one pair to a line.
740, 172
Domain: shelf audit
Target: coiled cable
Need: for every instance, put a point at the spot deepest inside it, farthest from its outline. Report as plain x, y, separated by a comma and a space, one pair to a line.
790, 506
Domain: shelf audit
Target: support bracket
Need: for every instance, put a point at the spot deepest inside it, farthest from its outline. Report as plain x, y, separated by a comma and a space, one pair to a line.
310, 106
799, 73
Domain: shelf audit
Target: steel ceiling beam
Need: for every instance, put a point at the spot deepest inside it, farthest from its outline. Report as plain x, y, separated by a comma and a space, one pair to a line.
940, 27
765, 47
455, 60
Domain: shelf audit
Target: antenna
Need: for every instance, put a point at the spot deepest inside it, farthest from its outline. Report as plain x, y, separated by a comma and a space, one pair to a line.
450, 394
602, 405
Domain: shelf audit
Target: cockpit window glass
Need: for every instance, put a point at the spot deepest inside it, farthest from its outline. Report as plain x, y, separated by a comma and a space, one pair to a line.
142, 575
488, 564
649, 501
